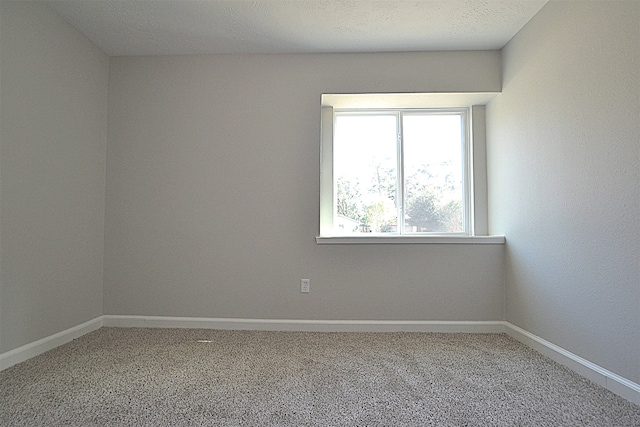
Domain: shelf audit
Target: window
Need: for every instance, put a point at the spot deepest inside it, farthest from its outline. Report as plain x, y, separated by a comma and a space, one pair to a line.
399, 170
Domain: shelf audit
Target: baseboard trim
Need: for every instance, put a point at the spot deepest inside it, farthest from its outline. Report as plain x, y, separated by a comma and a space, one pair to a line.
304, 325
611, 381
36, 348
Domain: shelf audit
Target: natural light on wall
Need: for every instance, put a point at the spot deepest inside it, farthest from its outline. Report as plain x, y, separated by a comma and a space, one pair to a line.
402, 168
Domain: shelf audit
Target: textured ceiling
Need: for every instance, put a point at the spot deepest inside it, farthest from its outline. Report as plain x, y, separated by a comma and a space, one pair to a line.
169, 27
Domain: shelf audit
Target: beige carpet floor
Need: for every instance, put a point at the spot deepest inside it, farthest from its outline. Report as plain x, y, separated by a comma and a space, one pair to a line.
196, 377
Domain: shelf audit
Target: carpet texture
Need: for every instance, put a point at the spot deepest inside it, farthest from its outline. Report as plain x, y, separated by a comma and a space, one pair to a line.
192, 377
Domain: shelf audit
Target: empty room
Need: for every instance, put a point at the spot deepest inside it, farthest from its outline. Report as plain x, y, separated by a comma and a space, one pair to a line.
274, 212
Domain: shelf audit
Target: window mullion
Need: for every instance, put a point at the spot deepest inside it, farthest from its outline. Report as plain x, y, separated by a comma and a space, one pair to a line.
400, 208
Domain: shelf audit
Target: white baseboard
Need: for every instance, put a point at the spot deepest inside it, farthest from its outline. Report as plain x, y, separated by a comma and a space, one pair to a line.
36, 348
613, 382
304, 325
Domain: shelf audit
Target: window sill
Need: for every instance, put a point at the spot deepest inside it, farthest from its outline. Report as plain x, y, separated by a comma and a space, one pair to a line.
411, 240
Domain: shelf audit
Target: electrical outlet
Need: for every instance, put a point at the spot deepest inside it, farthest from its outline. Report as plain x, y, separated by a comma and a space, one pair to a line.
305, 285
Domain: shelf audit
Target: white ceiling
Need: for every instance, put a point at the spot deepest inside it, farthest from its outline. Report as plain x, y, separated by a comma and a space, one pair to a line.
170, 27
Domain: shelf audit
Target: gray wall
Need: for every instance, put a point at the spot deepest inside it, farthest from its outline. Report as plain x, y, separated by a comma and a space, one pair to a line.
564, 156
213, 193
53, 126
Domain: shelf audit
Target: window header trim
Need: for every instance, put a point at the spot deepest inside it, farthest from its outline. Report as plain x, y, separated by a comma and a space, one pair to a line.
406, 100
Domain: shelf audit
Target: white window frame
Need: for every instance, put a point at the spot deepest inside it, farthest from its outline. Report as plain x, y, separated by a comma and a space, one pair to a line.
475, 174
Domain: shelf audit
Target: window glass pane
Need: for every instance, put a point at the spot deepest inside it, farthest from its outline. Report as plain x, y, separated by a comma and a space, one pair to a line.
365, 173
433, 172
